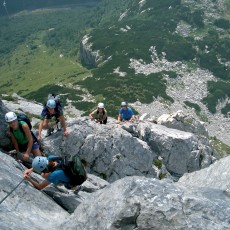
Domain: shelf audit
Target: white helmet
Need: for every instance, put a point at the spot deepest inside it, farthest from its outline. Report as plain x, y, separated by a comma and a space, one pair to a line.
10, 116
123, 103
39, 164
51, 103
100, 105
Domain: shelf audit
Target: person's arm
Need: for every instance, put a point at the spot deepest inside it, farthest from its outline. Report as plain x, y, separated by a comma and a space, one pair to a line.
28, 134
91, 115
37, 185
62, 119
27, 172
119, 118
40, 129
15, 143
132, 118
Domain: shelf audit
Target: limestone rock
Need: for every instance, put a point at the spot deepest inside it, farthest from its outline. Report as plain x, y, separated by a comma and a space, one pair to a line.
181, 151
179, 120
4, 140
69, 199
89, 58
26, 208
215, 176
21, 105
146, 203
108, 151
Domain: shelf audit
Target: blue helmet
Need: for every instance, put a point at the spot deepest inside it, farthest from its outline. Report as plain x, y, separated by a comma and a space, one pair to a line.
51, 103
39, 164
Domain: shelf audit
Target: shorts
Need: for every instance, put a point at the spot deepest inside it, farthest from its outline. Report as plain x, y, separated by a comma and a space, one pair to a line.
23, 147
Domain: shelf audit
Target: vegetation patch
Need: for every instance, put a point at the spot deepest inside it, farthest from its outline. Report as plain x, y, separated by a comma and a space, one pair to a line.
221, 148
193, 105
158, 163
217, 91
64, 92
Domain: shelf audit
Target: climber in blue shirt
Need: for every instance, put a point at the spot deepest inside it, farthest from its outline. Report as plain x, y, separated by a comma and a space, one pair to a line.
125, 113
48, 167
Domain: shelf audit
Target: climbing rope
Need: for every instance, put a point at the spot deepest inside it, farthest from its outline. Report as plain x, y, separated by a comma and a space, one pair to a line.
12, 191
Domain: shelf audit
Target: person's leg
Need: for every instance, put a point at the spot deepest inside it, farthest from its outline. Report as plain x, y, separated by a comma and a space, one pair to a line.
22, 149
35, 149
105, 121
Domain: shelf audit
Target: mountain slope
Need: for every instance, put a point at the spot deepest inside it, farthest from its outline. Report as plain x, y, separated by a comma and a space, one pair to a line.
172, 53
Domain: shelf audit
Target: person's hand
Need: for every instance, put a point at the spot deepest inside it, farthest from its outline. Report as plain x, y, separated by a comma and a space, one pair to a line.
39, 137
27, 177
25, 156
66, 133
27, 172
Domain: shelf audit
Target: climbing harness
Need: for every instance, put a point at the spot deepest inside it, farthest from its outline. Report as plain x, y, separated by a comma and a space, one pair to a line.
12, 191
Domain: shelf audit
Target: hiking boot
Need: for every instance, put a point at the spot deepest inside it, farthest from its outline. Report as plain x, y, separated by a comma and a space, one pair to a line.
49, 131
78, 189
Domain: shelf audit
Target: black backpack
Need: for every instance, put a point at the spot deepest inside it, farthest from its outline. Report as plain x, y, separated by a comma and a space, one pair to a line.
73, 168
22, 117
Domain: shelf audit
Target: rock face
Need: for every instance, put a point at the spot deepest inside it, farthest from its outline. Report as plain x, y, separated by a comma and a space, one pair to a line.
124, 155
187, 123
109, 151
20, 105
4, 140
215, 176
70, 200
181, 151
89, 58
113, 151
144, 203
26, 208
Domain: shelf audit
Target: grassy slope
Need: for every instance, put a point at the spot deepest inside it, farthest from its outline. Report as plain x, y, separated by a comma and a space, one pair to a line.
28, 66
28, 70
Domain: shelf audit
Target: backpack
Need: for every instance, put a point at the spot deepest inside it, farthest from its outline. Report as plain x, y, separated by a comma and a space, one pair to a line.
22, 117
73, 168
55, 97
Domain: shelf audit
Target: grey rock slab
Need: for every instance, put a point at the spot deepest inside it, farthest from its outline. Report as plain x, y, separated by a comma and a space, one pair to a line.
26, 207
147, 203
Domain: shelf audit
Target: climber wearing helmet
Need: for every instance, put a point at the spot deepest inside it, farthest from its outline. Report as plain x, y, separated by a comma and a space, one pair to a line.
99, 114
51, 109
21, 136
48, 167
125, 113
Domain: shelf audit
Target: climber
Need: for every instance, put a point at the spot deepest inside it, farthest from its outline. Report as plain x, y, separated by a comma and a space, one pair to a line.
125, 113
51, 169
21, 136
99, 114
51, 109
